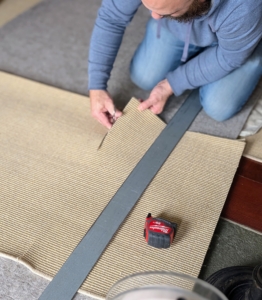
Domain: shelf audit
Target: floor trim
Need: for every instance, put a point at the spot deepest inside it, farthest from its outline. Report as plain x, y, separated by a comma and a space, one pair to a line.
244, 202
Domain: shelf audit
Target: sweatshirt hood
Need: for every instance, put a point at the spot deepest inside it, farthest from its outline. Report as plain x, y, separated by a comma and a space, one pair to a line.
214, 5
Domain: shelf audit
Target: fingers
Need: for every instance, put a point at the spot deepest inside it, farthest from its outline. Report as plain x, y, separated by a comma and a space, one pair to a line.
103, 109
146, 104
113, 113
158, 97
118, 114
157, 109
107, 119
102, 117
104, 120
153, 104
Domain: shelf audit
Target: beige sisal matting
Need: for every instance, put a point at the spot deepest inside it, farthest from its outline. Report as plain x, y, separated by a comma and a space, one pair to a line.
54, 184
9, 9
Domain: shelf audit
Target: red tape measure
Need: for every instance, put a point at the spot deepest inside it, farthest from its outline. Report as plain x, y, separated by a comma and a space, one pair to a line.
159, 233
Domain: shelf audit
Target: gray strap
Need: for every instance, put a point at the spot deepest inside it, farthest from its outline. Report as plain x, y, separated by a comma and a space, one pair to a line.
81, 261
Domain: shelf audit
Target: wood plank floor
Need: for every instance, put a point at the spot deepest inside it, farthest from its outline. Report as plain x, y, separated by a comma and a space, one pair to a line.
244, 201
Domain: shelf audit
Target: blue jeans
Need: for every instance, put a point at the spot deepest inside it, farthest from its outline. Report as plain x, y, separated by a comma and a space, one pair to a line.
221, 100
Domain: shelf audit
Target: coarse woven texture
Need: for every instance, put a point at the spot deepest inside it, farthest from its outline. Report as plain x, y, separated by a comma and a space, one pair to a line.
54, 184
19, 283
9, 9
58, 57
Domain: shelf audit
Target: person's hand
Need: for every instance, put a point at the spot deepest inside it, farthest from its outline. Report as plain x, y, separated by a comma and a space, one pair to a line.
102, 108
157, 98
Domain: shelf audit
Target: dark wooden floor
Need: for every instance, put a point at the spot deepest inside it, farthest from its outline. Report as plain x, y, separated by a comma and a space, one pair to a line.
244, 201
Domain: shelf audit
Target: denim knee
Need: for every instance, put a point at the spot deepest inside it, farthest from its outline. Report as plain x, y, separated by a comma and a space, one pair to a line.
140, 69
142, 77
216, 109
221, 100
155, 56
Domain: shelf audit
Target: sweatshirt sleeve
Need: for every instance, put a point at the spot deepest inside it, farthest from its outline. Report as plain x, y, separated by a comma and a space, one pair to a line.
112, 19
238, 35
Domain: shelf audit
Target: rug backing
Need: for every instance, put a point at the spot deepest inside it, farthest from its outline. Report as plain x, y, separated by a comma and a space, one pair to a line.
54, 184
253, 149
254, 122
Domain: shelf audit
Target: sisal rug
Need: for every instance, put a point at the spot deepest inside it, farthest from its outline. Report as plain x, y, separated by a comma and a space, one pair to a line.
54, 184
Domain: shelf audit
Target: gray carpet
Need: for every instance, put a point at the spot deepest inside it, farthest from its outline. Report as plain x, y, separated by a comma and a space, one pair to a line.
232, 245
49, 43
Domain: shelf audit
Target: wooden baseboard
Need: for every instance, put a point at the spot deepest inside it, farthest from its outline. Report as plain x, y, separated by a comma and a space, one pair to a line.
244, 201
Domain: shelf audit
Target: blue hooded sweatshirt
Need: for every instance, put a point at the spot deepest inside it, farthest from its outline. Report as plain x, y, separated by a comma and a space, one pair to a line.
232, 27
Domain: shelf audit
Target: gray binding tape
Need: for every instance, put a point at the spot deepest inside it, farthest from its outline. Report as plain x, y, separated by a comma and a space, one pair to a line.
83, 258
